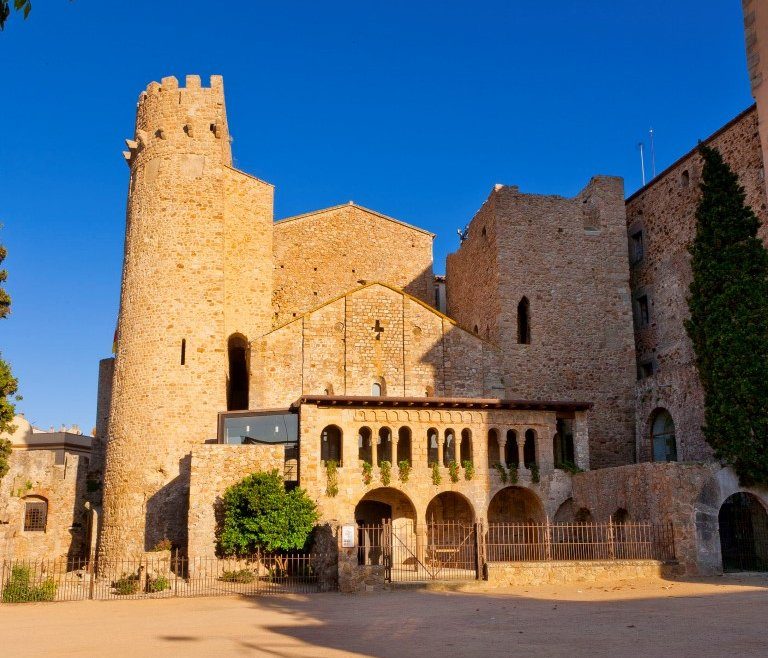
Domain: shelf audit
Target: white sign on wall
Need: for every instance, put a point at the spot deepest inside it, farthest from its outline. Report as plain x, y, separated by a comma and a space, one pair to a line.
347, 536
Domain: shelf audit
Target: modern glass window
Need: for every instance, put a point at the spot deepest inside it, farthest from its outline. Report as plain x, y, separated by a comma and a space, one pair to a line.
253, 428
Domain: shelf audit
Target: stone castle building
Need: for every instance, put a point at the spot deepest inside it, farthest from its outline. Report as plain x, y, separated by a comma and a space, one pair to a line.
546, 376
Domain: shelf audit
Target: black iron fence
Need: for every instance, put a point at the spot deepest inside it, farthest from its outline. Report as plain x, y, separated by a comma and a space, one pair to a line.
511, 542
164, 576
457, 551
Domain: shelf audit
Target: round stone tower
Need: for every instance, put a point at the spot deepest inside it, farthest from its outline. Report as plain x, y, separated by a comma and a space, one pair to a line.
197, 269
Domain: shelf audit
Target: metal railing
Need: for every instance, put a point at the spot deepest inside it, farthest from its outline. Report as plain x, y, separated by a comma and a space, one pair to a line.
511, 542
165, 576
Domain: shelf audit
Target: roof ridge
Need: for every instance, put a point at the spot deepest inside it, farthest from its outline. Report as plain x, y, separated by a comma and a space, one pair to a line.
352, 204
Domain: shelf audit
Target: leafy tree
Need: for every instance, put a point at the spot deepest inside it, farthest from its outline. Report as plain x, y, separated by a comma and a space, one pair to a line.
8, 383
729, 321
260, 514
24, 6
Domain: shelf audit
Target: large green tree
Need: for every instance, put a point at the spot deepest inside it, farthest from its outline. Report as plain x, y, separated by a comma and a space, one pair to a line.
8, 383
260, 514
729, 321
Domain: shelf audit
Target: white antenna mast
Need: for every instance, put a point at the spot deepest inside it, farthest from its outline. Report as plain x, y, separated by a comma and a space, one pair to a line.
653, 154
642, 161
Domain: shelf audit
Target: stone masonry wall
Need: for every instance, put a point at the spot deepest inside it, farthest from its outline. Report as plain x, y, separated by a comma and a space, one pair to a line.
568, 257
337, 350
215, 468
34, 475
665, 213
324, 254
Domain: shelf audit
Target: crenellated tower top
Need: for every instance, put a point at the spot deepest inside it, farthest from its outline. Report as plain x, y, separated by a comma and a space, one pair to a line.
173, 119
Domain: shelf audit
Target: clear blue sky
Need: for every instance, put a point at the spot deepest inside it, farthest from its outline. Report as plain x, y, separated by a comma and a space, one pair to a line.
412, 108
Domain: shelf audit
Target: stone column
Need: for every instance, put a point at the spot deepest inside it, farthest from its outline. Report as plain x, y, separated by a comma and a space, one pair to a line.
520, 436
501, 439
374, 445
440, 440
544, 453
581, 440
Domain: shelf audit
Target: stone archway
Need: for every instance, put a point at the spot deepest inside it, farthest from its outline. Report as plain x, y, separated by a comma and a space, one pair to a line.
743, 524
516, 505
376, 513
450, 507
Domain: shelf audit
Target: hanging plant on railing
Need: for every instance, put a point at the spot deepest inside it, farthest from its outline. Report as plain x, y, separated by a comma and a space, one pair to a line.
367, 473
469, 469
331, 477
534, 468
404, 470
453, 471
501, 471
436, 477
385, 470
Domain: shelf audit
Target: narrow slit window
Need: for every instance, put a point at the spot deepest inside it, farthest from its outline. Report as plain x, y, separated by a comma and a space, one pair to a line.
524, 322
183, 351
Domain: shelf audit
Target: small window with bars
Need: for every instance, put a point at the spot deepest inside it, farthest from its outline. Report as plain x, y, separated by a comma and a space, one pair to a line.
35, 515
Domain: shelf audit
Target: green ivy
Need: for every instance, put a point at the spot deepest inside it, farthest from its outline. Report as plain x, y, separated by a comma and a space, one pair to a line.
501, 471
534, 468
404, 469
453, 471
513, 474
728, 323
367, 473
331, 478
436, 477
385, 471
469, 469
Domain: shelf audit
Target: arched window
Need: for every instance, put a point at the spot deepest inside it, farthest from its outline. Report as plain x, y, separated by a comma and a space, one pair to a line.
562, 443
376, 389
35, 514
364, 449
432, 446
384, 449
237, 381
404, 445
330, 444
465, 450
512, 456
494, 457
524, 322
663, 437
449, 447
529, 448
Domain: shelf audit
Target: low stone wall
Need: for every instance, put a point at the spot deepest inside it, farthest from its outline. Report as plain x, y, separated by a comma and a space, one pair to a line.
359, 578
515, 574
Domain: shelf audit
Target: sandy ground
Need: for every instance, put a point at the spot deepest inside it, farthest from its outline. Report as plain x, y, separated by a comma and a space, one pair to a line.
718, 617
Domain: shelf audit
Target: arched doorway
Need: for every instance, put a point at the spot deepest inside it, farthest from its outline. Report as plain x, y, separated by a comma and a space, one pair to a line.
514, 530
450, 536
663, 442
450, 507
380, 512
743, 533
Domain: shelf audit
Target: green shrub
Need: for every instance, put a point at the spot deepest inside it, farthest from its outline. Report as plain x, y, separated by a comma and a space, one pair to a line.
18, 588
158, 584
513, 474
404, 468
162, 545
570, 467
238, 576
127, 584
436, 477
385, 470
331, 478
260, 514
534, 468
367, 473
469, 469
453, 471
501, 471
